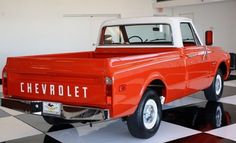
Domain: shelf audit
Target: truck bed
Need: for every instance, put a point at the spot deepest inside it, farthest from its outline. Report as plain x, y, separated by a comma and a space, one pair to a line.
76, 78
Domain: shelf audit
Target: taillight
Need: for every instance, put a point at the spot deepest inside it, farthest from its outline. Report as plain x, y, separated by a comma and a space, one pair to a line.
108, 82
4, 81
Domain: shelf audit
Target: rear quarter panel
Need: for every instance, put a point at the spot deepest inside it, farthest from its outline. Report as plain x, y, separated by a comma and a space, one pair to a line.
134, 74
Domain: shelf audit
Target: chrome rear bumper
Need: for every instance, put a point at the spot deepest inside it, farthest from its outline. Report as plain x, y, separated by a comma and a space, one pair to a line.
67, 111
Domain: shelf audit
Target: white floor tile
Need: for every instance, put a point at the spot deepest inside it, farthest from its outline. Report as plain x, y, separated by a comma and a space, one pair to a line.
227, 132
74, 135
12, 128
230, 83
10, 111
229, 100
117, 132
169, 132
182, 102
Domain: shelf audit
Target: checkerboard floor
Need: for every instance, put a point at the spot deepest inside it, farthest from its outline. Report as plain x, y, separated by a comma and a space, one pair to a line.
190, 119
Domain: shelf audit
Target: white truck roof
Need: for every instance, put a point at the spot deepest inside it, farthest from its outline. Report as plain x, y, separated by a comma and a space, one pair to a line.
173, 21
144, 20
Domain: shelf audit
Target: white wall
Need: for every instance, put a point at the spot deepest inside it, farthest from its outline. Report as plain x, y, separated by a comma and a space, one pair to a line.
219, 16
43, 26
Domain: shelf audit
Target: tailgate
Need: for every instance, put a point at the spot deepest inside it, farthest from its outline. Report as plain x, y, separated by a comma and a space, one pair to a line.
69, 81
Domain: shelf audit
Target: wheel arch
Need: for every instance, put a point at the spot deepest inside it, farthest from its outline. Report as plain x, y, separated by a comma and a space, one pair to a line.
223, 68
156, 82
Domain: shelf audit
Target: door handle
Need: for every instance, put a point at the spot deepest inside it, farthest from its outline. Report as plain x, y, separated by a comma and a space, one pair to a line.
192, 55
205, 56
205, 53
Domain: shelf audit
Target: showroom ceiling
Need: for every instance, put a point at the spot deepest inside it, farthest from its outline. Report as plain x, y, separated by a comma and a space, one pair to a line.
175, 3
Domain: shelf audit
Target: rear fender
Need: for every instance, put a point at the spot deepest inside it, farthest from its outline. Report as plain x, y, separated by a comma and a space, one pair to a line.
225, 73
152, 77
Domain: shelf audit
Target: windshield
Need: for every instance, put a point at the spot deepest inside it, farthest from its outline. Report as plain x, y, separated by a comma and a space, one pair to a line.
159, 34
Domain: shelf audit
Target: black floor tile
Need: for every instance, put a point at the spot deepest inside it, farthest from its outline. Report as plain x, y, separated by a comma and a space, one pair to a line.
35, 139
202, 116
202, 138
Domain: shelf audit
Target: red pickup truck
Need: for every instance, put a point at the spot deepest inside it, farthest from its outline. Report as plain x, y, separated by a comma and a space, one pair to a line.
139, 65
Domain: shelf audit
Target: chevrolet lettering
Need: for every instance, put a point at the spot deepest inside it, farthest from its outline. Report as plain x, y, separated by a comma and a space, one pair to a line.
51, 89
139, 65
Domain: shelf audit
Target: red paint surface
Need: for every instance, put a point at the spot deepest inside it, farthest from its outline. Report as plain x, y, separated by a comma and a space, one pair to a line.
133, 67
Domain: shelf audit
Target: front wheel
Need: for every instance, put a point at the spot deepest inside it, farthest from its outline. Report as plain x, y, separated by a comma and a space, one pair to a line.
214, 92
145, 122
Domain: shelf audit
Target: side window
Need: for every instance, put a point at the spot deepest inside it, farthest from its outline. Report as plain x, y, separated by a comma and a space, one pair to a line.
113, 35
188, 35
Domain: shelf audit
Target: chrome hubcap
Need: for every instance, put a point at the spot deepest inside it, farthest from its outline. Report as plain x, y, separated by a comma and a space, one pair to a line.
218, 84
150, 114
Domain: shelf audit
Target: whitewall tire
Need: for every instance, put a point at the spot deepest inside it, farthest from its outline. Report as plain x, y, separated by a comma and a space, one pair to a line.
215, 91
145, 122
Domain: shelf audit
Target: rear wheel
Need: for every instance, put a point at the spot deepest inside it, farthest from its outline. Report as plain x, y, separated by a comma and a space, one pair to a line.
145, 122
214, 92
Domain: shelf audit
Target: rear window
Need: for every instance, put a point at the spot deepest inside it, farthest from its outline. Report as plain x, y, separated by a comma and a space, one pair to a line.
159, 34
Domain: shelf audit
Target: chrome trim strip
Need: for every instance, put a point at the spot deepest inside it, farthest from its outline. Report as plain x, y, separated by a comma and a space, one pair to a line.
67, 112
137, 46
192, 55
